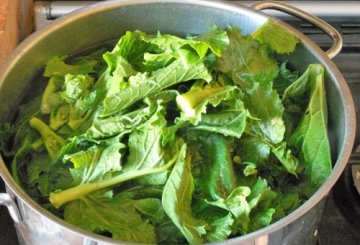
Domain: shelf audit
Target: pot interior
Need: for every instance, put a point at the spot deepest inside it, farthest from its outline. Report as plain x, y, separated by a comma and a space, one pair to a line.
107, 22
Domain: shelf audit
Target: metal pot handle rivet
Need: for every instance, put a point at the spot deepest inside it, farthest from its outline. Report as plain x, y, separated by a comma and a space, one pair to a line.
328, 29
6, 200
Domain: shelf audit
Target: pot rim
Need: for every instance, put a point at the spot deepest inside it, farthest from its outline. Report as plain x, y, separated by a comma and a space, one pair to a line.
341, 85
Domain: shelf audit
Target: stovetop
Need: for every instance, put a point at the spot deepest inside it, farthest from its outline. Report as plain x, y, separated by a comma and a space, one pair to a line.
341, 220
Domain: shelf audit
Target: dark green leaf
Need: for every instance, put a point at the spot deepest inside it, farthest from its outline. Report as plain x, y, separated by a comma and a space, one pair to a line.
217, 171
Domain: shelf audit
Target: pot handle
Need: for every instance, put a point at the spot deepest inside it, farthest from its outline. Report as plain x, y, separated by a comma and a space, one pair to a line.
6, 200
325, 27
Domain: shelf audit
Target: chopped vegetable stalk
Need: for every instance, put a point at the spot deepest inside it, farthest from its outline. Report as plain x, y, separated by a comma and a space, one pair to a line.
52, 141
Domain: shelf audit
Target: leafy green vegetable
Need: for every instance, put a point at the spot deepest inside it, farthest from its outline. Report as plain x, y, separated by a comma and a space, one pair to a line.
59, 198
146, 151
310, 136
176, 200
220, 229
264, 103
174, 140
218, 171
285, 79
277, 37
286, 158
246, 60
100, 212
230, 120
163, 78
252, 149
57, 67
194, 102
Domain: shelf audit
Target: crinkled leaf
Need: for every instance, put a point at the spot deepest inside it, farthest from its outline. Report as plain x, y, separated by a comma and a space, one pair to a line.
146, 150
229, 121
96, 163
277, 37
264, 104
237, 204
220, 229
100, 213
285, 79
174, 73
247, 60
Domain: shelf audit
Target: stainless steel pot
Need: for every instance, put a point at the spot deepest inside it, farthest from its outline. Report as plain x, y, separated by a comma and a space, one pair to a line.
107, 21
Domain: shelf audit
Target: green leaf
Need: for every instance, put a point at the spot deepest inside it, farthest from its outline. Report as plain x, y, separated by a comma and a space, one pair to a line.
237, 204
252, 149
60, 197
132, 46
261, 219
105, 127
154, 62
100, 213
277, 37
217, 171
96, 163
220, 229
56, 66
299, 87
286, 158
174, 73
146, 151
118, 123
260, 192
150, 207
285, 79
230, 120
215, 39
264, 104
38, 165
176, 200
311, 137
247, 60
